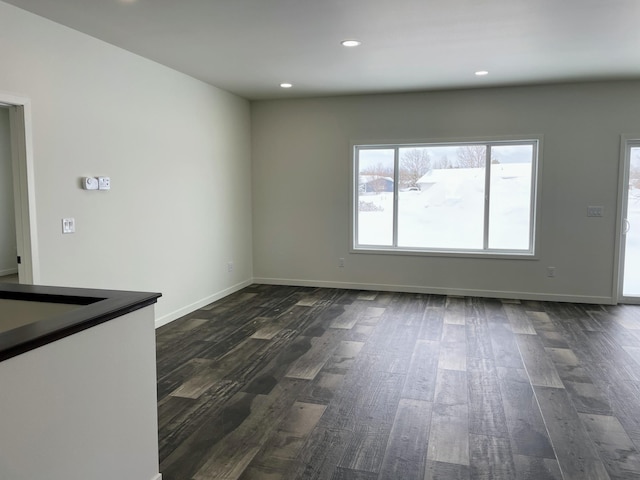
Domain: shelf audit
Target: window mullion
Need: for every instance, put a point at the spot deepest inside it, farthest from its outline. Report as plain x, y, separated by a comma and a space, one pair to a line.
396, 190
533, 195
356, 197
487, 196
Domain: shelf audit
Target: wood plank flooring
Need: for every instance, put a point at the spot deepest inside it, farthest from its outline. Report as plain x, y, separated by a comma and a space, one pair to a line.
290, 383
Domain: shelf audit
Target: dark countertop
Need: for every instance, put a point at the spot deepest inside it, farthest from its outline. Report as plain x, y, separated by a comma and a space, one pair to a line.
94, 307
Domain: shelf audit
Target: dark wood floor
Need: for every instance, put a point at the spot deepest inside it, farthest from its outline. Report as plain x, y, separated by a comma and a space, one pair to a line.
300, 383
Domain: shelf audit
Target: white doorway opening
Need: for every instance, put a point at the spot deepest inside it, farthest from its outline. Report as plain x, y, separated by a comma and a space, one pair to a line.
23, 186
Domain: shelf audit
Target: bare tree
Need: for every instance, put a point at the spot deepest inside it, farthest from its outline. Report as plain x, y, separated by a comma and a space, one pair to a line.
634, 177
471, 156
444, 162
379, 170
414, 163
634, 169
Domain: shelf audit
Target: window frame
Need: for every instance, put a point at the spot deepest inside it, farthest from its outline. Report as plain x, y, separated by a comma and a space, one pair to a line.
536, 174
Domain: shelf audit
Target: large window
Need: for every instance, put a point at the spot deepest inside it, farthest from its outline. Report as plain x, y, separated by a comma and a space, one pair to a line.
446, 197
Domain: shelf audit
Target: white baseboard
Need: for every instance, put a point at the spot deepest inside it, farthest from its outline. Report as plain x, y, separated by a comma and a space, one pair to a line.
549, 297
545, 297
8, 271
157, 477
170, 317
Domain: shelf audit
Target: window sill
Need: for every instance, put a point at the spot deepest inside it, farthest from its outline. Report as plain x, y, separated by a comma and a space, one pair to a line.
504, 255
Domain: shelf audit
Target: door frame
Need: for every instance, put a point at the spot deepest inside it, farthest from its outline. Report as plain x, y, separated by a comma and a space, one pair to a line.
20, 125
623, 192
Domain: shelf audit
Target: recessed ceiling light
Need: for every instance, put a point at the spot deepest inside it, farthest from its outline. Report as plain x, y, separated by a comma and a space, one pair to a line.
350, 43
481, 73
286, 85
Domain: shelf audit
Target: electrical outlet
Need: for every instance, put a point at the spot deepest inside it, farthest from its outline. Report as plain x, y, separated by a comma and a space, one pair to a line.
230, 267
341, 262
551, 272
595, 211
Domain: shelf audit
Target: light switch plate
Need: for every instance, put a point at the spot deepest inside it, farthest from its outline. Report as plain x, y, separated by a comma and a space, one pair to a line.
68, 225
104, 183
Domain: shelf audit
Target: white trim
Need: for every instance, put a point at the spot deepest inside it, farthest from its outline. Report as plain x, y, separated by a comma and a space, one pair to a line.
487, 203
618, 249
536, 142
31, 193
8, 271
536, 197
396, 196
170, 317
629, 300
470, 140
492, 254
550, 297
158, 476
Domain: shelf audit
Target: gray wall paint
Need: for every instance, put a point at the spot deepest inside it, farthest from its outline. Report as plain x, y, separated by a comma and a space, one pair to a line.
7, 212
301, 174
177, 151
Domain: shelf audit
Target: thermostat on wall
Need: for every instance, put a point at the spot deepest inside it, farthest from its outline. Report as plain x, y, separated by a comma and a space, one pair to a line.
90, 183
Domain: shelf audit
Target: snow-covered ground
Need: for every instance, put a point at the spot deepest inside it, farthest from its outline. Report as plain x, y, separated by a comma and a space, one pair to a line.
632, 249
448, 211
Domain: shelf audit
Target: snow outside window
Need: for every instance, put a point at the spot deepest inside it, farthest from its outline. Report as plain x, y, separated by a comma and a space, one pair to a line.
460, 197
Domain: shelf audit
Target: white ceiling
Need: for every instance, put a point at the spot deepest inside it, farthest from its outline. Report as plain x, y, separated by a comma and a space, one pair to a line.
250, 46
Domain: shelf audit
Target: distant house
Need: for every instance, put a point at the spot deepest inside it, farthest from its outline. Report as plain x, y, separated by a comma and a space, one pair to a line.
452, 177
451, 185
374, 184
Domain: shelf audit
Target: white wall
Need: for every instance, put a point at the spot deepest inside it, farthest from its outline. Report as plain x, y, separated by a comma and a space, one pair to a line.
7, 213
177, 151
301, 171
83, 407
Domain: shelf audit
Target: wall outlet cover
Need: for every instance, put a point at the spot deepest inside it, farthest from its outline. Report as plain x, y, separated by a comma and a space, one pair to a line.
595, 211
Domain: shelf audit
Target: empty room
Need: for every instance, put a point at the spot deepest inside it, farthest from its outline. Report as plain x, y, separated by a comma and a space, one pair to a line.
319, 240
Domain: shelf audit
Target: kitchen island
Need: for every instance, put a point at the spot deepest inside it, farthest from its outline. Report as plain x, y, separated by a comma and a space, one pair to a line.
77, 384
